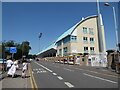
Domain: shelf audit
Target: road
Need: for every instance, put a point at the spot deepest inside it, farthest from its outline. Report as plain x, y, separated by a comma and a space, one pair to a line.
48, 74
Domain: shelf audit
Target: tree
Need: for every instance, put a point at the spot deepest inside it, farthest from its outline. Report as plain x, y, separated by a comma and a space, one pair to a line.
22, 49
25, 48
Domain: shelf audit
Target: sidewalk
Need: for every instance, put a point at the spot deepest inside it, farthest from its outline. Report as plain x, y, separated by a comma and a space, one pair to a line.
16, 82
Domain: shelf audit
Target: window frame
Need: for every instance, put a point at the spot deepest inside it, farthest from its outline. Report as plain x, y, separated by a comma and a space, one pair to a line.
84, 29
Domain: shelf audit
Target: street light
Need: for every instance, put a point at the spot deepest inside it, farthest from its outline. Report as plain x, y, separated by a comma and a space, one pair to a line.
39, 36
107, 4
100, 37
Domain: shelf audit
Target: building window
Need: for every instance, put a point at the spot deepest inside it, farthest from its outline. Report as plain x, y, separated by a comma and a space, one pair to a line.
84, 30
91, 40
65, 49
85, 39
59, 43
67, 39
85, 49
92, 49
60, 51
91, 31
73, 38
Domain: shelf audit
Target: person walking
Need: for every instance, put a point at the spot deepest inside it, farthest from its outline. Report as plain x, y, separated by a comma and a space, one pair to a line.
12, 70
24, 69
9, 64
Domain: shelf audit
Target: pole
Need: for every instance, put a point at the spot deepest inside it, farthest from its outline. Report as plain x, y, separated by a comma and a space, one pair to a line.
100, 36
12, 56
100, 30
22, 50
39, 45
115, 28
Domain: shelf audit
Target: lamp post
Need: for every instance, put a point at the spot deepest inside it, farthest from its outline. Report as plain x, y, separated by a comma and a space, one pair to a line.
114, 14
39, 36
100, 36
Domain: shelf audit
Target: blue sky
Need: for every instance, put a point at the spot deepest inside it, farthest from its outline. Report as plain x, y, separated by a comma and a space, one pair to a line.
23, 21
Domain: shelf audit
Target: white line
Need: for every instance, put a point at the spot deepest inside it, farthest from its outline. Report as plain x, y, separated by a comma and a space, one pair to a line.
69, 84
54, 74
44, 67
59, 77
99, 78
68, 69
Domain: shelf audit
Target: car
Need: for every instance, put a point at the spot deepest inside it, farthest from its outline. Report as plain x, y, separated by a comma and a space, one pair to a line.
70, 61
65, 61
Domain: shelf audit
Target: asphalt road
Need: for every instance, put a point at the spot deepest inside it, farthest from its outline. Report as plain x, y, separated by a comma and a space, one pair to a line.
48, 74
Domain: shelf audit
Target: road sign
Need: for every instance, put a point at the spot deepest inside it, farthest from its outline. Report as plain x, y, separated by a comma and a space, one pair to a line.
7, 48
13, 49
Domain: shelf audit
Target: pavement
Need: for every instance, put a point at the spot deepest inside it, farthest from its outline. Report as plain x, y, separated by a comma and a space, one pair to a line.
16, 82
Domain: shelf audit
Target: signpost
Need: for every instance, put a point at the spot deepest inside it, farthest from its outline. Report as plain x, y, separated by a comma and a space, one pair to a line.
13, 50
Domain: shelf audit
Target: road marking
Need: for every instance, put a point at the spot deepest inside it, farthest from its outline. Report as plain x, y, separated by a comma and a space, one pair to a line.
31, 83
54, 74
69, 84
99, 78
104, 70
59, 77
33, 80
110, 75
44, 67
68, 69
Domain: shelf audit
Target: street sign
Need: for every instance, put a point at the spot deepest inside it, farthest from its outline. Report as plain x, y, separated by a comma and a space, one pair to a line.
13, 49
7, 48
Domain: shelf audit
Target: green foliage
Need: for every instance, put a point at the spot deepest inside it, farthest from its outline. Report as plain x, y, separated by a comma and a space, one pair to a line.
32, 56
22, 49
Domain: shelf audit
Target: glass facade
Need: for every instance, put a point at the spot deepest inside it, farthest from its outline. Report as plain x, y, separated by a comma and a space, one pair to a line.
59, 43
66, 40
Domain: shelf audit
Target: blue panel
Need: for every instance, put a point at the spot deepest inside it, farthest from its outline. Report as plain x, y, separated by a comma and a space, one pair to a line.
13, 49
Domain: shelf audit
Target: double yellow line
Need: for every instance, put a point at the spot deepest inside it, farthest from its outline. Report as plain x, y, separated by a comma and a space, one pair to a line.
32, 80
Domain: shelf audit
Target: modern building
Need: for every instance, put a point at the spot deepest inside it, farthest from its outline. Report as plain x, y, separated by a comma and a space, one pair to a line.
82, 38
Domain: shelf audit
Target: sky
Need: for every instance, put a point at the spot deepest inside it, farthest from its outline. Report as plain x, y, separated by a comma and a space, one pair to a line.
22, 21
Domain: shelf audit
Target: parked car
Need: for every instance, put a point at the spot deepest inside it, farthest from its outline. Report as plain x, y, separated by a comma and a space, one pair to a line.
70, 61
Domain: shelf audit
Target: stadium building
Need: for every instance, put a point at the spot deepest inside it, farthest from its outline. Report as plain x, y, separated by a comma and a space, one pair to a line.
83, 38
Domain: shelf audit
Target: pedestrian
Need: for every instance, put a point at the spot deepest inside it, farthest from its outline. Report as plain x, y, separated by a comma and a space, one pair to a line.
16, 61
9, 64
12, 70
24, 69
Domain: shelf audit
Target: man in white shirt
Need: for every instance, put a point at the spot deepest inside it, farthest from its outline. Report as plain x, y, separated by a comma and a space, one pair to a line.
9, 63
